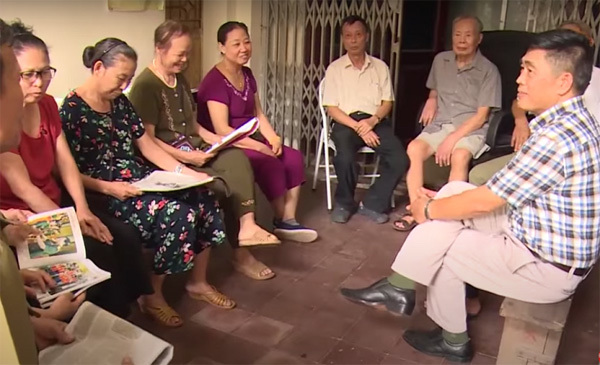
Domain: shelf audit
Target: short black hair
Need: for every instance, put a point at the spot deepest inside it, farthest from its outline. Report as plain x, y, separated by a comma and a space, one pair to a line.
351, 19
6, 38
107, 51
226, 28
23, 37
567, 51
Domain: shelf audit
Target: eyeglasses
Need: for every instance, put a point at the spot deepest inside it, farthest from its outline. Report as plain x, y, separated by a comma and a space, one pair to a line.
32, 75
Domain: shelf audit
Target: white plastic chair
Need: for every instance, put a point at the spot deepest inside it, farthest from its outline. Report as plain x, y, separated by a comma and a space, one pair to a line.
325, 143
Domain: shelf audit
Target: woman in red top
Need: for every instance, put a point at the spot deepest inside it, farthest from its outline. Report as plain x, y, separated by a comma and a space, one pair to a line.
27, 181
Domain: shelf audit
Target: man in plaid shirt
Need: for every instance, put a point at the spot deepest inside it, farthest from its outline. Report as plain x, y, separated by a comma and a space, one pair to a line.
530, 233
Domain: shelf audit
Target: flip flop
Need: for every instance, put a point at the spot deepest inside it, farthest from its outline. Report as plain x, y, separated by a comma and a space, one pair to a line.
403, 225
214, 298
253, 271
260, 240
163, 315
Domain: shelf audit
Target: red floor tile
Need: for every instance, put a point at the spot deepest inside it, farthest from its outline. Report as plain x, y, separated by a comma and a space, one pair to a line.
224, 320
276, 357
345, 353
307, 345
263, 331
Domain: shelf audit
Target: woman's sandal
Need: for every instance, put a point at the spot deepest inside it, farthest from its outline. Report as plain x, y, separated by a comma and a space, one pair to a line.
258, 239
214, 298
403, 224
254, 271
164, 315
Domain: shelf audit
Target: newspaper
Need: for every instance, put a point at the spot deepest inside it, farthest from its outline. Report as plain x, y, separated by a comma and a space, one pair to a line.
103, 338
59, 250
245, 130
164, 181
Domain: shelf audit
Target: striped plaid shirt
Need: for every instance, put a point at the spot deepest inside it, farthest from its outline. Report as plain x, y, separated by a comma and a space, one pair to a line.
552, 186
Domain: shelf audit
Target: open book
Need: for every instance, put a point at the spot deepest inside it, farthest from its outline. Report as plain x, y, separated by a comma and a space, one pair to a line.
103, 338
245, 130
59, 250
168, 181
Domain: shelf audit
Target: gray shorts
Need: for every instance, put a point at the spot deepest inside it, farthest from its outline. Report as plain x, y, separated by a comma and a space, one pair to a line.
474, 144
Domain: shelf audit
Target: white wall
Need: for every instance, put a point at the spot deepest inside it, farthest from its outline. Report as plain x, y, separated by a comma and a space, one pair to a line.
68, 26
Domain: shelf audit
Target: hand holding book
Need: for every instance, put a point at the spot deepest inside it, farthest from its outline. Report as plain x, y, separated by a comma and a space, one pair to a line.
120, 189
198, 158
36, 279
59, 251
245, 130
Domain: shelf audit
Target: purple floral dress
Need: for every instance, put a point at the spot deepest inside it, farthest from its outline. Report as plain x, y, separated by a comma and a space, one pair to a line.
176, 225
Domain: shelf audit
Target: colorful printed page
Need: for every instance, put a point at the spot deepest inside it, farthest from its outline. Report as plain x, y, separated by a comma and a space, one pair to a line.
59, 239
245, 130
168, 181
73, 276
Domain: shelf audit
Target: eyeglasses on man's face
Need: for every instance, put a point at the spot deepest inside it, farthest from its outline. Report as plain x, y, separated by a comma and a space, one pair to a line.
32, 75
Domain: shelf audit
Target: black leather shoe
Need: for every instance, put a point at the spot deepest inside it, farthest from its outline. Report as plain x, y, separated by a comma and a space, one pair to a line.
383, 295
432, 343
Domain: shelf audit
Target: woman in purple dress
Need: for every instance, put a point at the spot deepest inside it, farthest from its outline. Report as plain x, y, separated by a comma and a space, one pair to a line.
227, 98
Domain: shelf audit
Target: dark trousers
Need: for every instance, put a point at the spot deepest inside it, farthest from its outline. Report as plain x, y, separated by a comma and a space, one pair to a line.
392, 165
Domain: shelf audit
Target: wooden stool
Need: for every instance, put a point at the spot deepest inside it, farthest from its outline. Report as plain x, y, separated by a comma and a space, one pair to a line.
531, 332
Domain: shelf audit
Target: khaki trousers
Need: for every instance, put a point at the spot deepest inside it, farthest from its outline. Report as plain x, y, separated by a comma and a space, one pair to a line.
481, 173
481, 252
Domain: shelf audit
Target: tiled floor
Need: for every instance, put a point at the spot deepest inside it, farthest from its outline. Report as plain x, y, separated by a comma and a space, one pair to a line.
300, 318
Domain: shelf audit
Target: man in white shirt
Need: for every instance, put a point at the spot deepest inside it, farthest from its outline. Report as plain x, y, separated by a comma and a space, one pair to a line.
358, 95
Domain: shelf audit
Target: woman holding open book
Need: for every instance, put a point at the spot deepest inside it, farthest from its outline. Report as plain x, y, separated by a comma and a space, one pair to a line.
27, 181
227, 98
162, 98
104, 132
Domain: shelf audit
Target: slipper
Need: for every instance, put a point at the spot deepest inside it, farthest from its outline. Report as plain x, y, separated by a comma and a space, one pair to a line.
214, 298
403, 225
260, 240
253, 271
163, 315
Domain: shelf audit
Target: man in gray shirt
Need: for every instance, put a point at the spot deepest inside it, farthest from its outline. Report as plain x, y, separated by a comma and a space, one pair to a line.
464, 89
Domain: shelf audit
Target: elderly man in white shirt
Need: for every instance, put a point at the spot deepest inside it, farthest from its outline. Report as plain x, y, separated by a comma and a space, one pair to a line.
358, 95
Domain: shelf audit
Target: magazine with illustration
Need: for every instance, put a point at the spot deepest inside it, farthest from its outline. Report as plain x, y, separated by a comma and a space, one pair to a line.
59, 250
163, 181
243, 131
103, 338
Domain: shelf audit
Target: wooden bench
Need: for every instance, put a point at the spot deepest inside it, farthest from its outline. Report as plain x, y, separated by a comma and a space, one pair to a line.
531, 332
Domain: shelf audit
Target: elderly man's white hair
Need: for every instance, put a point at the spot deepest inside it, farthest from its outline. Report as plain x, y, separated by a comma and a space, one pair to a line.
478, 23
